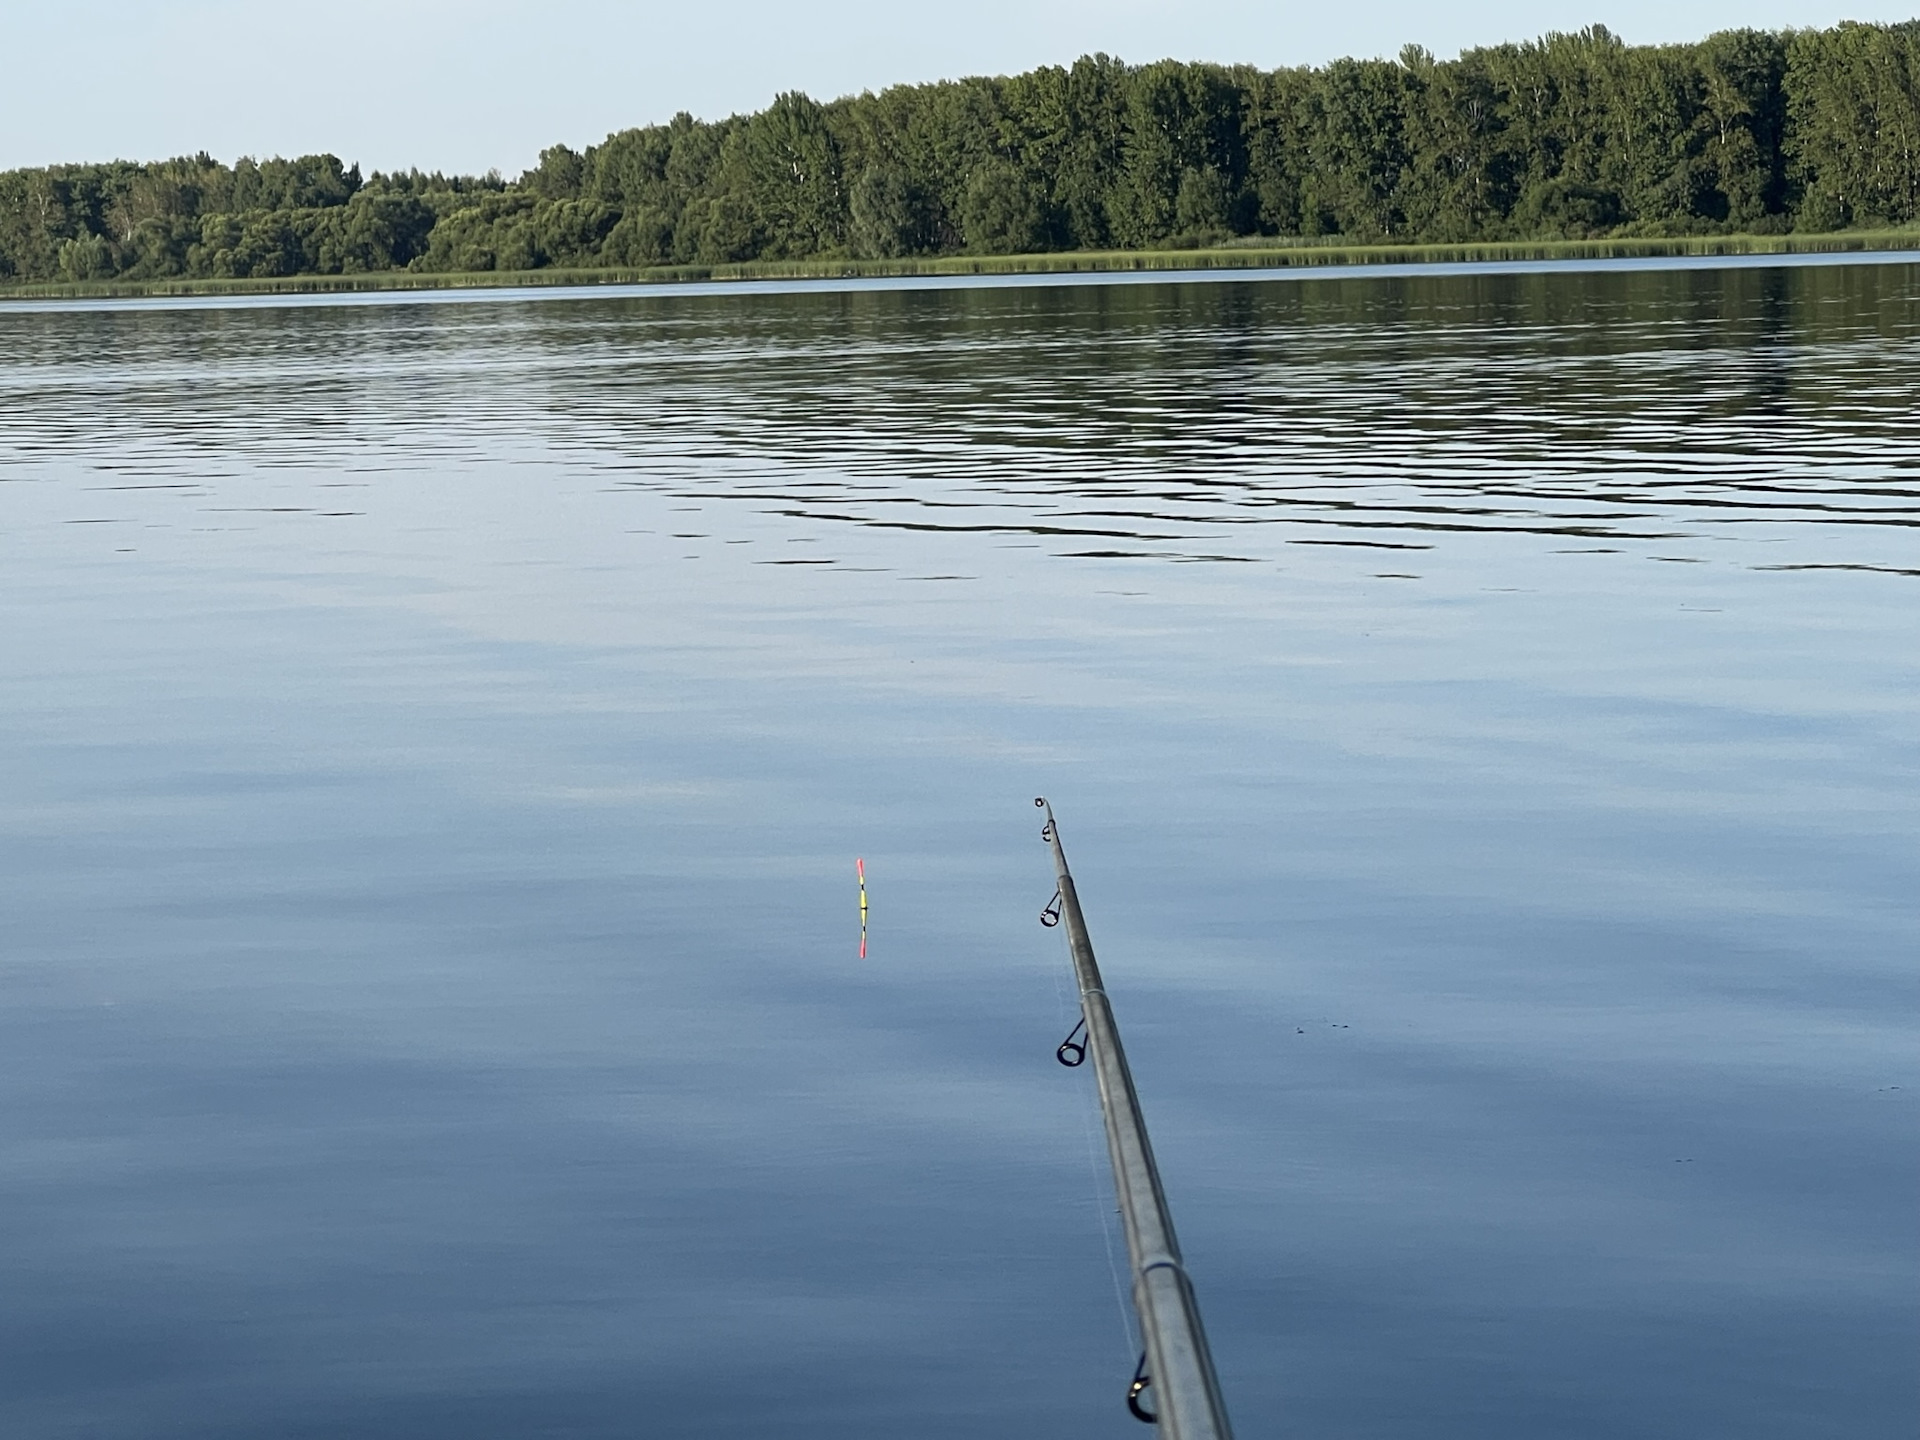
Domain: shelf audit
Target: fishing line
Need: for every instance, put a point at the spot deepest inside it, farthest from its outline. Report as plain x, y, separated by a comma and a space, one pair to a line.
1089, 1106
1128, 1343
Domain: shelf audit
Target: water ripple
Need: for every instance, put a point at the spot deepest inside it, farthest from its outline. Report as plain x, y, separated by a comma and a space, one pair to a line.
1219, 422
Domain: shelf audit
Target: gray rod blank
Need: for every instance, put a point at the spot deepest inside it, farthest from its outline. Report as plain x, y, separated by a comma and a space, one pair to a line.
1185, 1391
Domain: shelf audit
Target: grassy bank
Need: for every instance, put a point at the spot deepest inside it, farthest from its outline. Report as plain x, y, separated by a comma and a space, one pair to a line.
1264, 255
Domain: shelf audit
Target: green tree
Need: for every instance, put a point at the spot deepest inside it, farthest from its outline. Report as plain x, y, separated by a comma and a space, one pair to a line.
719, 229
1458, 183
786, 165
1568, 135
1357, 165
886, 214
88, 257
1853, 114
999, 213
1743, 118
641, 236
1203, 206
560, 175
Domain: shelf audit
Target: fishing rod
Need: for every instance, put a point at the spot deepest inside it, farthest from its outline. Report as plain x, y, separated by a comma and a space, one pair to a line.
1176, 1365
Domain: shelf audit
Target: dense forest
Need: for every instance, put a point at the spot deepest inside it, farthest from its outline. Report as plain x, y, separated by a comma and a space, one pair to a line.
1570, 136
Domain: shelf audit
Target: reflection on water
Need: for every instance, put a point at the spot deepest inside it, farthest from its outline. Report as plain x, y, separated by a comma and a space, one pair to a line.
437, 739
1685, 408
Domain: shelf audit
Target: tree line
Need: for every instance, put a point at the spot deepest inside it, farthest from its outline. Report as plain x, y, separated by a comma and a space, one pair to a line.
1570, 136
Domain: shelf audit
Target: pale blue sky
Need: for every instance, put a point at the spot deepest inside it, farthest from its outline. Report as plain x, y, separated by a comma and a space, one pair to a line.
487, 83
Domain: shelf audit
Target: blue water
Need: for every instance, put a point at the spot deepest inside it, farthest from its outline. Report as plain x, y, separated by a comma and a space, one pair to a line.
436, 740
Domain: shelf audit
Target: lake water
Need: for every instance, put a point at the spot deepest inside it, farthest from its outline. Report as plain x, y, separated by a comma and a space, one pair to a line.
436, 740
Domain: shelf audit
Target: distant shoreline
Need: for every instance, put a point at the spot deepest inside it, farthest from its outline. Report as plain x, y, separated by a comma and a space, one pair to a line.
1265, 256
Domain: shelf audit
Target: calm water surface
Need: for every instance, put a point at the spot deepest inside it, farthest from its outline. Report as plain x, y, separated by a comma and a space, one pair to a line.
436, 739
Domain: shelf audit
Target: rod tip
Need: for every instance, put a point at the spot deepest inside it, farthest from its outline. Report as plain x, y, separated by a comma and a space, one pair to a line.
1040, 801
